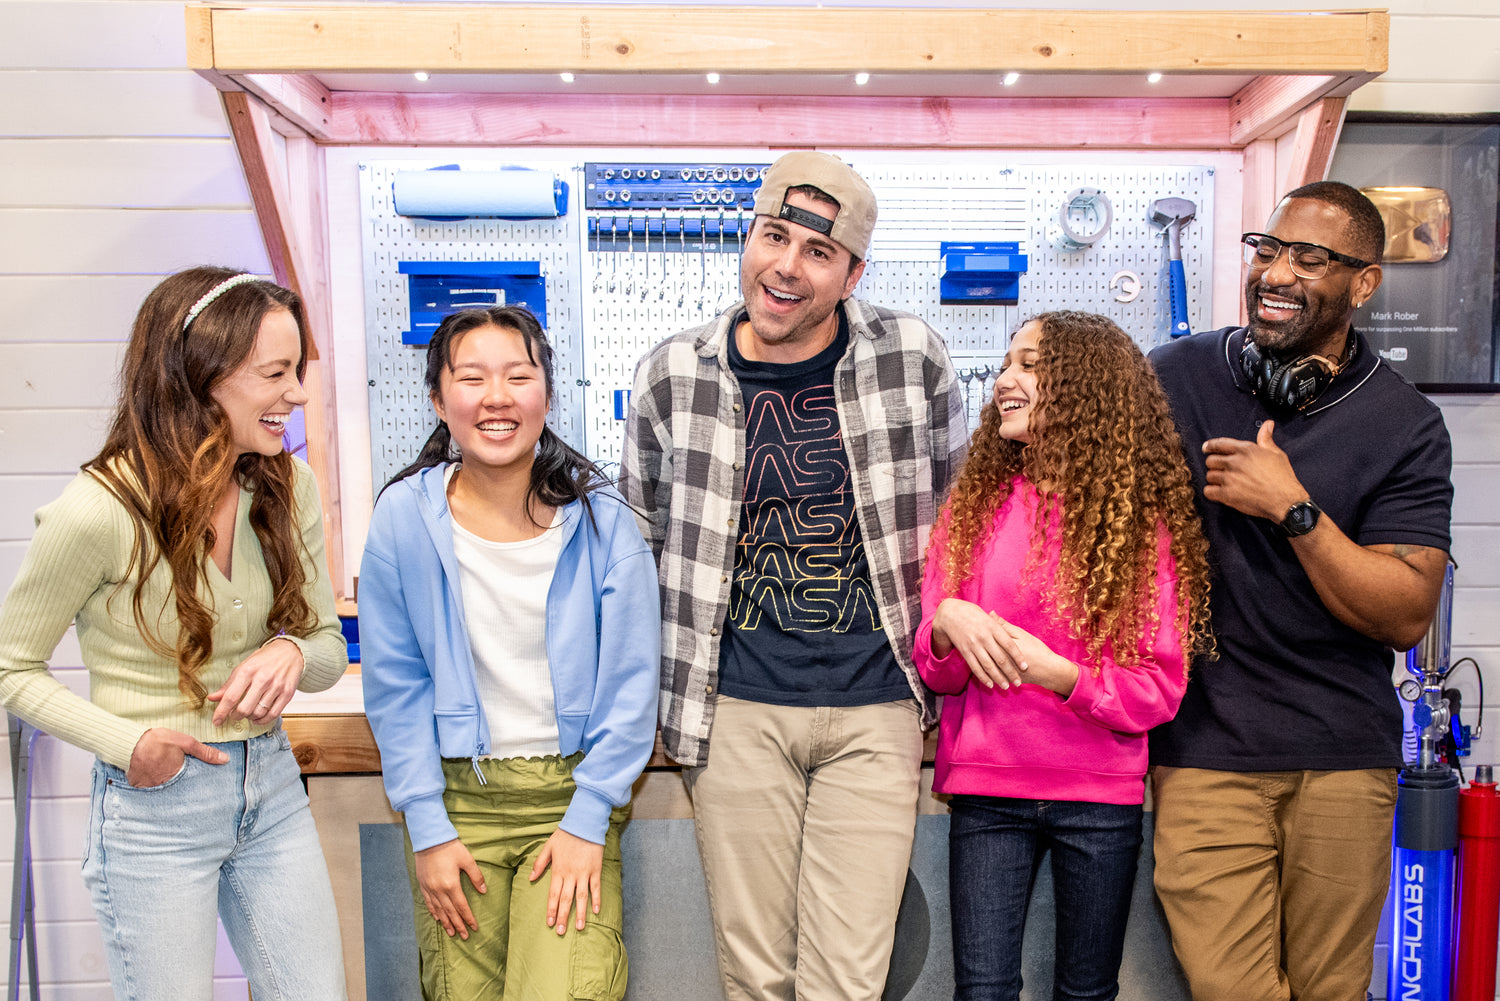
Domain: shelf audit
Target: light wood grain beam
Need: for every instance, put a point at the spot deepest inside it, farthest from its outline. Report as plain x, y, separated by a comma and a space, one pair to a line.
648, 120
483, 38
291, 229
300, 99
1318, 130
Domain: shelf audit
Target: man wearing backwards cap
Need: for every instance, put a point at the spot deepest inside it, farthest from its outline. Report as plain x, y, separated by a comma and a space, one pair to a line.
787, 460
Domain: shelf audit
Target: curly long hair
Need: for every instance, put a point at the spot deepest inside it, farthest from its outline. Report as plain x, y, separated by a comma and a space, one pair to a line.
170, 455
1106, 449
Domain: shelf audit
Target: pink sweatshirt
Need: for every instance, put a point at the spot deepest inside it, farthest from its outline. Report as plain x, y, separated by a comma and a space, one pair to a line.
1028, 742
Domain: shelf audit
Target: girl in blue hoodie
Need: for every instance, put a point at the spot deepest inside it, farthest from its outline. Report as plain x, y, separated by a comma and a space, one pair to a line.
510, 631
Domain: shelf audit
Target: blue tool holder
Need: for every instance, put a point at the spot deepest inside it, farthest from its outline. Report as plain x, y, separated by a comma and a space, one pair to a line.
437, 288
981, 274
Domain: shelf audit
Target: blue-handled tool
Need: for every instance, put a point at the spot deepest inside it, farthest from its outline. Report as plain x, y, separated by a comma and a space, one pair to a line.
1170, 214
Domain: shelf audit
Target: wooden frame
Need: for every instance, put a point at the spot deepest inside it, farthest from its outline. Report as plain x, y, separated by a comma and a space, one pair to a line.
266, 58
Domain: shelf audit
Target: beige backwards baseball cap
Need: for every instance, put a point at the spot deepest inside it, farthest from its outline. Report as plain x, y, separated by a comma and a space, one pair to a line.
855, 221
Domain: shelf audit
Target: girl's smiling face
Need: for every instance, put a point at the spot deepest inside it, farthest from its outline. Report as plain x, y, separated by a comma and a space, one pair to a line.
494, 398
1017, 392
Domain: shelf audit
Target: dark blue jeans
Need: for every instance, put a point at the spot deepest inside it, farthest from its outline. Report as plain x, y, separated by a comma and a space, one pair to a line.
996, 847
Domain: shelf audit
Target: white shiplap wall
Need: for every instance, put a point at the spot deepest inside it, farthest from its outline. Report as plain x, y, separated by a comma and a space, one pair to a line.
115, 168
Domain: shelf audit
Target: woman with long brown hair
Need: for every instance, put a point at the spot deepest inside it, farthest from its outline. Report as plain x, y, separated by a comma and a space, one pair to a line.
189, 553
1065, 592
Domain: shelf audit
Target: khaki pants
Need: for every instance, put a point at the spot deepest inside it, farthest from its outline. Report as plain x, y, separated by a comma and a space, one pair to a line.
513, 955
805, 819
1273, 882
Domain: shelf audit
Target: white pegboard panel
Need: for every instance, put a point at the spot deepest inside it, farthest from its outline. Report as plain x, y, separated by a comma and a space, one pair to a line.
401, 417
607, 308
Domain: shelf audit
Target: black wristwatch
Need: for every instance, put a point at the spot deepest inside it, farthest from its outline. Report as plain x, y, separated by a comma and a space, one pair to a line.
1301, 518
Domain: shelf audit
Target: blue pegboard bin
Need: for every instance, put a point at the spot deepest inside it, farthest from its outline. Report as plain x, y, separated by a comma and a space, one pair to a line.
981, 274
437, 288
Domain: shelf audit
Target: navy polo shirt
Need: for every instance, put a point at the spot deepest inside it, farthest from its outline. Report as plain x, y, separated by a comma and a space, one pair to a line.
1293, 687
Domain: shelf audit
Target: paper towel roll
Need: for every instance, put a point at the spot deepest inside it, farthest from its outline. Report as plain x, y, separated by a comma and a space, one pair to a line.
513, 193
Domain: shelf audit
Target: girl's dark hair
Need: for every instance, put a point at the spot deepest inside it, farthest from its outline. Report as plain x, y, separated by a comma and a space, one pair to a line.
560, 474
170, 454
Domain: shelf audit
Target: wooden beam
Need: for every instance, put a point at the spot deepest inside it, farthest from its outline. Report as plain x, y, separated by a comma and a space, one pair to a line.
491, 38
883, 122
290, 230
1318, 131
301, 100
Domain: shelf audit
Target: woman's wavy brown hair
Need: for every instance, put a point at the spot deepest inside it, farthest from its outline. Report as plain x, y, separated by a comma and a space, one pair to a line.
1106, 449
170, 455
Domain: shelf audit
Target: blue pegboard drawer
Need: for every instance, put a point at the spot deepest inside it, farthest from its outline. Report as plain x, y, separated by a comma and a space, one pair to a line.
437, 288
981, 274
349, 626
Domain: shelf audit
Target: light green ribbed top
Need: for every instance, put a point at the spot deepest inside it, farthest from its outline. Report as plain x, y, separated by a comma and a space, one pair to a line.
75, 570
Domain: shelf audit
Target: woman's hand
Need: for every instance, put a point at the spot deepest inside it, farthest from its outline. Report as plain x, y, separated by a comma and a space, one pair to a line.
981, 639
440, 872
576, 865
259, 688
1042, 666
159, 754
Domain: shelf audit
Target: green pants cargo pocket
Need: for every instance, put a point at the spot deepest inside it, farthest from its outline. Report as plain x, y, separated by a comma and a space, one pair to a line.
599, 967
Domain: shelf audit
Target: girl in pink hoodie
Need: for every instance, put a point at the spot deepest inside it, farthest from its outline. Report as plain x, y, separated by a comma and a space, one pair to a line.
1066, 591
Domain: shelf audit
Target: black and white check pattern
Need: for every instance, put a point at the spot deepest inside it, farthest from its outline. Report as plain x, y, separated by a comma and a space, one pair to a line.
904, 431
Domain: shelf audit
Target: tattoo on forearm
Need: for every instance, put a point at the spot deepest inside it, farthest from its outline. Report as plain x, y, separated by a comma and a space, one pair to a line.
1402, 550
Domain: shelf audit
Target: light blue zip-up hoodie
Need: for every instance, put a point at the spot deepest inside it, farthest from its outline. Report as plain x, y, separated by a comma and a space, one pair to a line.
603, 647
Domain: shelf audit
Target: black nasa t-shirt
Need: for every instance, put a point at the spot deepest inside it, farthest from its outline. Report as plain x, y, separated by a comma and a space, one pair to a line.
803, 628
1293, 687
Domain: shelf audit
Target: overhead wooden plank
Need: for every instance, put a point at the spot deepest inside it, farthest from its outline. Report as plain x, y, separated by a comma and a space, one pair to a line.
122, 173
697, 39
1318, 130
647, 120
104, 241
108, 103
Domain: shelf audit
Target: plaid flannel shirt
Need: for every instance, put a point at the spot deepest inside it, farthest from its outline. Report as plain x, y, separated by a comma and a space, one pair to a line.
904, 429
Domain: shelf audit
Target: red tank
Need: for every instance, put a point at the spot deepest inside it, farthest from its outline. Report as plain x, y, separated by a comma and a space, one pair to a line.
1478, 901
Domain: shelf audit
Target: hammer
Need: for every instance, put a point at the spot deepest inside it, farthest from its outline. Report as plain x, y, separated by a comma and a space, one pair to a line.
1170, 214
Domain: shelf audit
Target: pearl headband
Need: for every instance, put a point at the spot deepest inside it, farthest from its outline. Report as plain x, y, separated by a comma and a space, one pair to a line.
214, 293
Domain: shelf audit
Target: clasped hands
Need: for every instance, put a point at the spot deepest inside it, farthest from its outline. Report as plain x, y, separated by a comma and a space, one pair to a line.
999, 653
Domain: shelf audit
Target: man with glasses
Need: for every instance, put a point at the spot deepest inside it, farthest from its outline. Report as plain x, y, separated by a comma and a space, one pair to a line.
1323, 481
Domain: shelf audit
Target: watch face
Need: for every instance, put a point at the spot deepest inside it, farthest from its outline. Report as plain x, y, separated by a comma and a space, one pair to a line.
1301, 519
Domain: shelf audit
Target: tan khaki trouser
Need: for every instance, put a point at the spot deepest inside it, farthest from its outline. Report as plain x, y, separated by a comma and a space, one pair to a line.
805, 819
1273, 882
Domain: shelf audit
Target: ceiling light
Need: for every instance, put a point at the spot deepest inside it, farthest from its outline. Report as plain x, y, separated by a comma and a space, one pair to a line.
860, 79
713, 78
421, 76
1011, 78
566, 77
1153, 78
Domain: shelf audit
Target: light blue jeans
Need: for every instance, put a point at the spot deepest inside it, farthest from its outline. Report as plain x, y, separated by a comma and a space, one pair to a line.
234, 841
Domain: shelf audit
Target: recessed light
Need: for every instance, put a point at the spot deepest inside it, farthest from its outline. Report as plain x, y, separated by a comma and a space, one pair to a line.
1153, 78
713, 78
566, 77
420, 76
860, 79
1011, 78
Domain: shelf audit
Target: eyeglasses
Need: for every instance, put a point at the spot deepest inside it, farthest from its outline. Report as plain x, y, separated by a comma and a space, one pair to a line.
1308, 260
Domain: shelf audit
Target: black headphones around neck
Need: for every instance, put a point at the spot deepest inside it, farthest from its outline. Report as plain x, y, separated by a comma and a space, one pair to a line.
1289, 384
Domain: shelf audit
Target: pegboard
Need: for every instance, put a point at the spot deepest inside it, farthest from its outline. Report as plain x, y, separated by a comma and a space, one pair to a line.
608, 306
